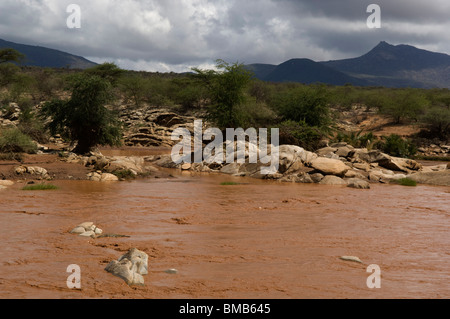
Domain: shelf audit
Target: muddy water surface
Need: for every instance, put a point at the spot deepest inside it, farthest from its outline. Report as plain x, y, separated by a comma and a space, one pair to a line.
258, 239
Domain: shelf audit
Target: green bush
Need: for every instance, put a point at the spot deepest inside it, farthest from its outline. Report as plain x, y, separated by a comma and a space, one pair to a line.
357, 139
395, 145
308, 104
14, 141
301, 134
85, 118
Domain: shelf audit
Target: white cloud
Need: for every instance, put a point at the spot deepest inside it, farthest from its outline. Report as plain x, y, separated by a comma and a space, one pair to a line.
160, 35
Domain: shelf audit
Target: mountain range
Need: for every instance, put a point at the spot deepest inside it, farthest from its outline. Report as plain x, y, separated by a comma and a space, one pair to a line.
45, 57
385, 65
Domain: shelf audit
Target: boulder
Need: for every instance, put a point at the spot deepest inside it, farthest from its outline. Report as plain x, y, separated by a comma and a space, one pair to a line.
289, 154
326, 151
333, 180
343, 151
130, 267
231, 169
317, 177
399, 164
106, 177
440, 178
329, 166
304, 178
358, 183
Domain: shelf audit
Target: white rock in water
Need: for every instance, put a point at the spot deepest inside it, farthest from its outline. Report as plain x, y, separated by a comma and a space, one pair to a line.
86, 225
88, 234
78, 230
351, 258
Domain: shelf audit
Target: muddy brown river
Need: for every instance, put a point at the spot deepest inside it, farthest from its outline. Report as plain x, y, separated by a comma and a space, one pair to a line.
258, 239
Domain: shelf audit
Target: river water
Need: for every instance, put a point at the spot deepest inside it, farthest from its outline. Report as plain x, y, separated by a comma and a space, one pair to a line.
257, 239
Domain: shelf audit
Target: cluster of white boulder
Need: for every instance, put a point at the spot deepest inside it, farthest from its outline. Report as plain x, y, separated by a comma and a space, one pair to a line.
87, 229
337, 164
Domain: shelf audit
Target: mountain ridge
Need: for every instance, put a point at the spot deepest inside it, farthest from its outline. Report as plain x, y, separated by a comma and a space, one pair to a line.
385, 65
46, 57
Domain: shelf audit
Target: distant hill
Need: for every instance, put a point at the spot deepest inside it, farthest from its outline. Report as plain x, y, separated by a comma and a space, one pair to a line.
45, 57
303, 71
400, 65
385, 65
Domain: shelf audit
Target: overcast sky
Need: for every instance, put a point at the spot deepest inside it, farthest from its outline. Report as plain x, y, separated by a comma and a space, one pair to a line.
174, 35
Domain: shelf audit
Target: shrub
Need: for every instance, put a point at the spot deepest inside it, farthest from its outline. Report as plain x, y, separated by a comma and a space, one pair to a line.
14, 141
226, 91
395, 145
84, 118
437, 120
357, 139
301, 134
308, 104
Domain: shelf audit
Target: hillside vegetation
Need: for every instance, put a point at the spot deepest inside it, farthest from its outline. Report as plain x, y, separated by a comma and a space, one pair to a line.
307, 115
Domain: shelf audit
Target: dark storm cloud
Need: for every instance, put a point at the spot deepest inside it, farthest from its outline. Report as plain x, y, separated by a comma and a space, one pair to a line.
174, 35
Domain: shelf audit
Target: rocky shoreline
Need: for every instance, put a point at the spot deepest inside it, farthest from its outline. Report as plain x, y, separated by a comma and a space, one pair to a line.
335, 164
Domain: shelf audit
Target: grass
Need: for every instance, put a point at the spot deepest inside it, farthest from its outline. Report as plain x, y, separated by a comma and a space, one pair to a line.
228, 183
433, 158
124, 174
406, 182
40, 187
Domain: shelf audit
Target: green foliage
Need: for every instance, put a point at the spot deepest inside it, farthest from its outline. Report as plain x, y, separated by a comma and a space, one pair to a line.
14, 141
404, 104
124, 174
8, 72
84, 118
357, 139
406, 182
308, 104
40, 187
135, 88
301, 134
226, 91
108, 71
437, 119
188, 93
30, 124
395, 145
10, 55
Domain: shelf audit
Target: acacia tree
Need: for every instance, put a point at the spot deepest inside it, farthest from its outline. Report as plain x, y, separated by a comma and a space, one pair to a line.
10, 55
226, 91
84, 118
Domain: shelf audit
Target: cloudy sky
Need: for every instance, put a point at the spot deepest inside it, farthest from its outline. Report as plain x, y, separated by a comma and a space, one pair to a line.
174, 35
